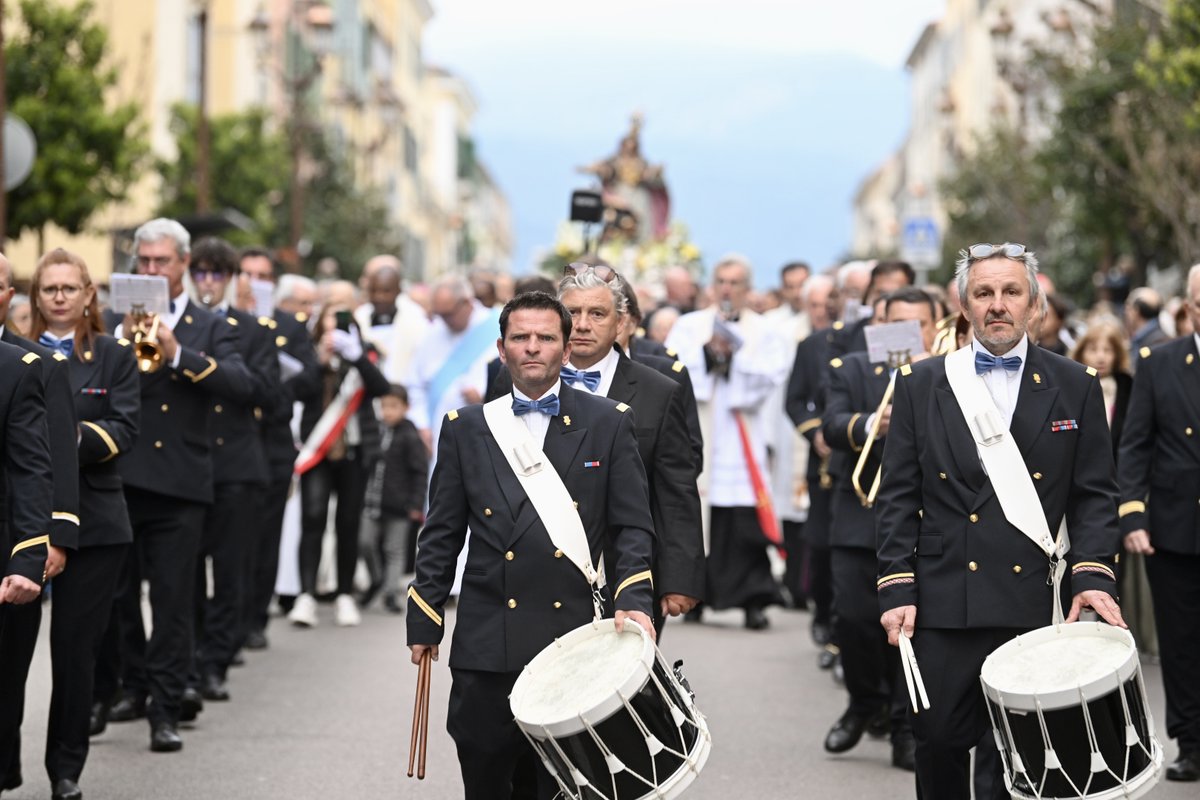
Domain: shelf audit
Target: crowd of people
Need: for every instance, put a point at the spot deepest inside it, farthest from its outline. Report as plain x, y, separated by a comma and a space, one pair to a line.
708, 439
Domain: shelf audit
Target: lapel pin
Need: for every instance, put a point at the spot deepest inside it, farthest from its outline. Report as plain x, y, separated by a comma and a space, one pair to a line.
879, 370
1037, 378
1064, 425
588, 464
567, 421
188, 319
1189, 358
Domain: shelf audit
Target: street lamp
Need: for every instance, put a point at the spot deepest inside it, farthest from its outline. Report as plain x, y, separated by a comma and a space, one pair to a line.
312, 22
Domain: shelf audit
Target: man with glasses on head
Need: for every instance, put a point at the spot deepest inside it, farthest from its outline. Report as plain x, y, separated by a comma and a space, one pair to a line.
736, 359
955, 574
168, 479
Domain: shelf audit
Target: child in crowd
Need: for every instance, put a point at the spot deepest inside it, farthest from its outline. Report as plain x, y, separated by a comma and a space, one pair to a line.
394, 501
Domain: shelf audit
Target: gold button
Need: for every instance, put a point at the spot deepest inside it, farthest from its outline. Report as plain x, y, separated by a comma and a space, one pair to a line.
220, 440
1017, 569
158, 445
217, 408
165, 408
509, 556
487, 512
972, 566
557, 604
1037, 476
512, 603
1188, 431
974, 518
558, 553
942, 475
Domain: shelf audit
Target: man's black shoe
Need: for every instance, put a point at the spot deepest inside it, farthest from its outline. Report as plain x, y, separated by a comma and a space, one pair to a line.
822, 633
904, 752
828, 656
213, 688
256, 640
756, 619
99, 719
164, 738
65, 789
190, 705
845, 733
128, 708
1186, 768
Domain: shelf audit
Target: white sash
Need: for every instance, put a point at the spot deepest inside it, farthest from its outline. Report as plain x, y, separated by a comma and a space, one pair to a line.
545, 489
1006, 467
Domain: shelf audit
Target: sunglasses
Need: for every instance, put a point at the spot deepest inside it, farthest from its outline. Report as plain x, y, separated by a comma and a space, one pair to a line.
201, 273
978, 252
603, 272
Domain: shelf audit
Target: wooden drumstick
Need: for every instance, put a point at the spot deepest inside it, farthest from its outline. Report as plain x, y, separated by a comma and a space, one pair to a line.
416, 724
425, 714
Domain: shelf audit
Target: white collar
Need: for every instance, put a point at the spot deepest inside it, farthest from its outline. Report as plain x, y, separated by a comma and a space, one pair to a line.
556, 390
604, 366
1020, 349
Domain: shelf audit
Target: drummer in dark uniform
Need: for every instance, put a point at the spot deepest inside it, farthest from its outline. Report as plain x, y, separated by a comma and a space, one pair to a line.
951, 566
1160, 517
518, 590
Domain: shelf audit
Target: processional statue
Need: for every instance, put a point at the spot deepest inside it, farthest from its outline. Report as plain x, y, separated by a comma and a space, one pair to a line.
637, 206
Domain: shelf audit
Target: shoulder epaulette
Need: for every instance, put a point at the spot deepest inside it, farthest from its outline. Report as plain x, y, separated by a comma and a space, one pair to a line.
677, 366
835, 362
672, 353
59, 356
906, 369
452, 415
123, 342
622, 407
1092, 371
838, 325
29, 358
1144, 352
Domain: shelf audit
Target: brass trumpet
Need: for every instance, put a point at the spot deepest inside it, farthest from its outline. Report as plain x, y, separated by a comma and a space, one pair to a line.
944, 343
146, 349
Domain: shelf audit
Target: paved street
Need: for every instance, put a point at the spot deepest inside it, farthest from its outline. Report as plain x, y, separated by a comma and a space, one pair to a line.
327, 713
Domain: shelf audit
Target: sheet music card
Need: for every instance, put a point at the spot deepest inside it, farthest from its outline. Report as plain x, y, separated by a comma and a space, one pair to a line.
150, 292
264, 297
894, 343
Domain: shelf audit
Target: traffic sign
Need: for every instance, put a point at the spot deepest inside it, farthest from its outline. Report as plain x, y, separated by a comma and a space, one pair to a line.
921, 244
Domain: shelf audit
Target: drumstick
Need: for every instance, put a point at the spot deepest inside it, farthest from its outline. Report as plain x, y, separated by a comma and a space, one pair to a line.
428, 662
412, 748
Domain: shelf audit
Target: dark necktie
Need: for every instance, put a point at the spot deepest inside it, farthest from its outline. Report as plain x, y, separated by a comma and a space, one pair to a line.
547, 405
64, 346
589, 379
986, 362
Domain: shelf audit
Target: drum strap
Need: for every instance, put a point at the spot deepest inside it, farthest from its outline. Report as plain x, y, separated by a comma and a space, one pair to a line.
546, 491
1006, 467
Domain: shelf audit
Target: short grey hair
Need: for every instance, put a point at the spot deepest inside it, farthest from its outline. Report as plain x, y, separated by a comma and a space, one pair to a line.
459, 286
588, 279
163, 228
851, 268
962, 269
1193, 273
816, 282
736, 260
289, 283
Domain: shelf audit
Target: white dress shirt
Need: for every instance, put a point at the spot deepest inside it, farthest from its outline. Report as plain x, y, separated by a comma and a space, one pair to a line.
537, 422
1002, 385
607, 367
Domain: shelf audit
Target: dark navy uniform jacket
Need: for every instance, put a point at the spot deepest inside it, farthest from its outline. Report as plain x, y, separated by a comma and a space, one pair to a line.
25, 447
233, 427
1160, 448
944, 544
292, 337
856, 387
518, 592
108, 401
172, 456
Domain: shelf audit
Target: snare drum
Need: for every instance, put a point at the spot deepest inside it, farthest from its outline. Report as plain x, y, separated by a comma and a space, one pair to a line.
1069, 710
609, 718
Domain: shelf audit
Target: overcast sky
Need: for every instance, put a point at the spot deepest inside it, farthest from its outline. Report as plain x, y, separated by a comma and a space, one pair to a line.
766, 113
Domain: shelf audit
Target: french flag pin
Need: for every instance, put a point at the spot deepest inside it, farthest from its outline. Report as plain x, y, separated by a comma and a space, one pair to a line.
587, 464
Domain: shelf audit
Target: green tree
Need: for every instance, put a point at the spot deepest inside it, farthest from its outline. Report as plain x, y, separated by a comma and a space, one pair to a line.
248, 161
89, 149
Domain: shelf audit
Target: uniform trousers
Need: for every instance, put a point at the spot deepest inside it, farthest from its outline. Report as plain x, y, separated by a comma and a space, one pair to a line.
818, 580
263, 563
871, 665
957, 719
793, 573
83, 603
166, 540
228, 527
18, 636
738, 569
491, 748
347, 478
1175, 587
106, 676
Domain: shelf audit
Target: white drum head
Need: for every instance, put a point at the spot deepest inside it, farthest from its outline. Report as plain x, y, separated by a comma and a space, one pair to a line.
582, 674
1057, 667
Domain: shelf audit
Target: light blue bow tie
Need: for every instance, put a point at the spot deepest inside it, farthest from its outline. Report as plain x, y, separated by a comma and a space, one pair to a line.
986, 362
548, 405
589, 379
64, 346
